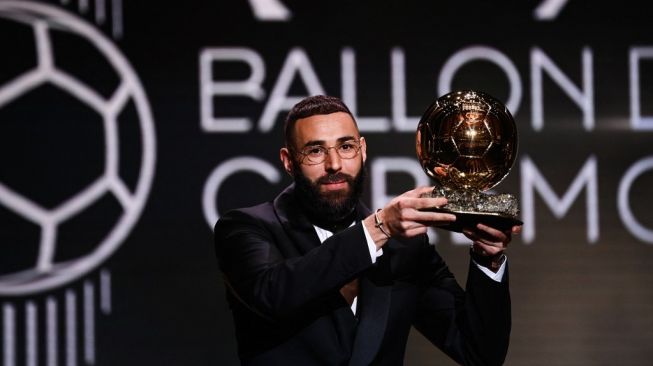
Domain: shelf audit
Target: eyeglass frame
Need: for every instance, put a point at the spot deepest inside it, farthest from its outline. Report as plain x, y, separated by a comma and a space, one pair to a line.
358, 146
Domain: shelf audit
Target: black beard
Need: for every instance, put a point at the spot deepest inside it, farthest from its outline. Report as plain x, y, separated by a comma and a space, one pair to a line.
333, 209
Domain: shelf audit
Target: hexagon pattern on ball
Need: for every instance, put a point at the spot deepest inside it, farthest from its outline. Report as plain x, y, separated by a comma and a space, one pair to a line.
467, 142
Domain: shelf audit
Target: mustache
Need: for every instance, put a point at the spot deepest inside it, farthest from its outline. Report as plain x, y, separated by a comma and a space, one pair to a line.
335, 178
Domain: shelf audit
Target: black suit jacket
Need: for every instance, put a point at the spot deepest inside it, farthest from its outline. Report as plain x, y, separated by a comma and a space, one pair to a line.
283, 289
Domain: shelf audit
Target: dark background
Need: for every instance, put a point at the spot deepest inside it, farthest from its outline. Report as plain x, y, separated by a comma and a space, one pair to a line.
575, 301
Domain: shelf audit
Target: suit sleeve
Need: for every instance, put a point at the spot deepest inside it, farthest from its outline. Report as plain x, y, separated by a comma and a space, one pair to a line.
250, 257
471, 326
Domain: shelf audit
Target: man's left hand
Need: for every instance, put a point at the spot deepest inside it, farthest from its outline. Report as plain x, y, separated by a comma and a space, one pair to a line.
488, 241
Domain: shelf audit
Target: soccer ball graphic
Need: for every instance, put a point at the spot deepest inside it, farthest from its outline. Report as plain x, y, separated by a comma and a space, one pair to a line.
467, 140
77, 148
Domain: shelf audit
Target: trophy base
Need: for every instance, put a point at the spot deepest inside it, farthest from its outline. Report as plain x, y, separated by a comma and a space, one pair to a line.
467, 219
473, 207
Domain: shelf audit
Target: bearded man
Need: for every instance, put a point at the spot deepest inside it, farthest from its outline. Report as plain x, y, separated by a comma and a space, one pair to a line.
314, 277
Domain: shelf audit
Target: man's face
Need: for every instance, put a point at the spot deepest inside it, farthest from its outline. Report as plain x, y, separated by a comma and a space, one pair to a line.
332, 180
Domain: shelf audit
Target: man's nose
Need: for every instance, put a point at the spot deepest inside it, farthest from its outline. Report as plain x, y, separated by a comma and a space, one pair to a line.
332, 161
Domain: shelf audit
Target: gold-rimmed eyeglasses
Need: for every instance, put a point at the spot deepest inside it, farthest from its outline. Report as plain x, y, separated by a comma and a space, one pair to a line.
316, 154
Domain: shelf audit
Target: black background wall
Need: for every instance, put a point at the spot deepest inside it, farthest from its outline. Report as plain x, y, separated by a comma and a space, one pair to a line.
117, 154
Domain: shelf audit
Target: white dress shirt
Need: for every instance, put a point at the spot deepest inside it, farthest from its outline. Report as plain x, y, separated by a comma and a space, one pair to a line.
324, 234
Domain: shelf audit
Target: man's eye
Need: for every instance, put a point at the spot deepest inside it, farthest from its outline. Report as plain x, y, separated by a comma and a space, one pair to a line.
314, 151
346, 146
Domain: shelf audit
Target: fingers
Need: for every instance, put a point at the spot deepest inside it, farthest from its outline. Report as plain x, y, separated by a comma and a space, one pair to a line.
476, 237
418, 198
415, 231
488, 239
492, 234
410, 200
419, 191
516, 229
403, 215
427, 216
486, 250
409, 206
410, 222
428, 202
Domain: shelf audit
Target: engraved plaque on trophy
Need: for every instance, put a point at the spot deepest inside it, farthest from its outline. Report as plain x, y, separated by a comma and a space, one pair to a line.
467, 143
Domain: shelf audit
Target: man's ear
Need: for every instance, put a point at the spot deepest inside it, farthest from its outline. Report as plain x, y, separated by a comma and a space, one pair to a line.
286, 159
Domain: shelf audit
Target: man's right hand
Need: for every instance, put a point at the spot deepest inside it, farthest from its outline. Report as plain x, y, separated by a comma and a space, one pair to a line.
402, 217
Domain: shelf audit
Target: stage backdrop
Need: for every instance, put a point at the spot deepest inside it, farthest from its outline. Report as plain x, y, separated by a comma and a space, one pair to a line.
128, 127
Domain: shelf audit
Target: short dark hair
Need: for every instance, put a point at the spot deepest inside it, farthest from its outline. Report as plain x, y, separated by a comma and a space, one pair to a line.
311, 106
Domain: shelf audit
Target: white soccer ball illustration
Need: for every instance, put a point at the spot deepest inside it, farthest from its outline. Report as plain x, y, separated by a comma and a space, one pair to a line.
106, 110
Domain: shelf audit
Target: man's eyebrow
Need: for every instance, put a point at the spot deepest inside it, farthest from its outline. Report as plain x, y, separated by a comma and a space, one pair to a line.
322, 142
314, 142
347, 138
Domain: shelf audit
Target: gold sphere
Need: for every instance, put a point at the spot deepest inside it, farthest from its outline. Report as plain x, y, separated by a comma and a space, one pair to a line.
467, 140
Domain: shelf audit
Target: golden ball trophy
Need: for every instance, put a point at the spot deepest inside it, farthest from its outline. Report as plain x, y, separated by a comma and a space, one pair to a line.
467, 142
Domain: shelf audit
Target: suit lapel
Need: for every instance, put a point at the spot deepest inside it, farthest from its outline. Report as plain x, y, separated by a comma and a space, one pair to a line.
374, 306
294, 223
331, 337
374, 299
340, 323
